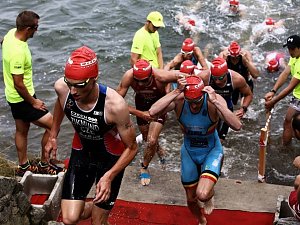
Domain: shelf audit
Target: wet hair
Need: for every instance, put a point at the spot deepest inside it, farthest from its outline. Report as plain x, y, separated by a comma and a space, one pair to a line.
296, 122
26, 19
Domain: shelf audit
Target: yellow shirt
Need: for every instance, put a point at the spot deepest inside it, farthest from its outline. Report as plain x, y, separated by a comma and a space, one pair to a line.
146, 44
295, 71
16, 60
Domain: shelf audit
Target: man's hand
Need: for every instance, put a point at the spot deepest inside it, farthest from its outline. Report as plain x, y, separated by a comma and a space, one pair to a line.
181, 83
103, 189
211, 94
38, 104
269, 104
51, 148
269, 95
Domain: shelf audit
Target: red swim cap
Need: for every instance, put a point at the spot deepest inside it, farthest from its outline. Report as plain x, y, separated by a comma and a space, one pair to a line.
234, 49
194, 87
270, 21
188, 46
142, 69
273, 65
187, 66
192, 22
234, 2
82, 64
219, 67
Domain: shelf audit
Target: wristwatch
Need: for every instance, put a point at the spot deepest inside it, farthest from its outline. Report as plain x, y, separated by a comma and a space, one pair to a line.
273, 91
245, 108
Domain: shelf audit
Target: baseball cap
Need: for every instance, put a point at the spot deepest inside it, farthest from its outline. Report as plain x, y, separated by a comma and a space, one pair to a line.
156, 19
292, 42
142, 69
194, 87
187, 66
188, 46
219, 67
270, 21
234, 2
273, 65
234, 49
82, 64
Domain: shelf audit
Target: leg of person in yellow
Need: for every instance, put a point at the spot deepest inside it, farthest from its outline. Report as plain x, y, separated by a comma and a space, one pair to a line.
26, 108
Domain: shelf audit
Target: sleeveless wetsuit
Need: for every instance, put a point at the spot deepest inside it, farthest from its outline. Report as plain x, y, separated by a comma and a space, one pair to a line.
145, 97
243, 70
226, 92
95, 150
201, 151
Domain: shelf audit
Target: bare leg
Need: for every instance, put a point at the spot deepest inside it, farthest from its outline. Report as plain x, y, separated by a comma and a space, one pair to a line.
21, 136
46, 123
205, 192
72, 211
193, 204
152, 145
287, 126
100, 216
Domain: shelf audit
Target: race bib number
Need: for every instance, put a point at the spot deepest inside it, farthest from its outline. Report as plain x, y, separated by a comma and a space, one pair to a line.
199, 142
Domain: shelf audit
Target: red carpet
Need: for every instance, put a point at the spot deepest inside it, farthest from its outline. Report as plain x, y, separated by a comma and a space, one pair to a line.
133, 213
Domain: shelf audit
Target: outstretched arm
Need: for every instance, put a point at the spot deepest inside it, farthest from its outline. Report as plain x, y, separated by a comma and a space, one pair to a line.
281, 80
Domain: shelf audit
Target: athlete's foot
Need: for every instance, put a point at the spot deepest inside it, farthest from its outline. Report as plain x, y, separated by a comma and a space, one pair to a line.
161, 155
209, 206
203, 220
145, 177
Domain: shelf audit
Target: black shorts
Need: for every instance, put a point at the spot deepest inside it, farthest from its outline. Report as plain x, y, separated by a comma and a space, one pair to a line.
143, 105
26, 112
83, 171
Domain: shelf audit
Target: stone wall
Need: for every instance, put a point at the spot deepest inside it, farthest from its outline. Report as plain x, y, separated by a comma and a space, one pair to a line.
15, 208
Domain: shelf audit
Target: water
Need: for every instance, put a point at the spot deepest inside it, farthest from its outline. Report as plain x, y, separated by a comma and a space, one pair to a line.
108, 27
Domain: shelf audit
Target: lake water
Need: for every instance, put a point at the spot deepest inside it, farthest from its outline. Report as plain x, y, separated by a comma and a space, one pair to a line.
108, 27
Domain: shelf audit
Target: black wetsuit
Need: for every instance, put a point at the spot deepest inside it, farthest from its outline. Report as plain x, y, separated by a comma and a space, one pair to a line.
226, 92
95, 149
243, 70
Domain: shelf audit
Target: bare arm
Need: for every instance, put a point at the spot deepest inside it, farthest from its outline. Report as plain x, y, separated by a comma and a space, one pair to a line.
166, 103
222, 109
293, 83
281, 80
160, 58
118, 114
248, 62
200, 58
58, 114
133, 58
23, 92
243, 87
174, 62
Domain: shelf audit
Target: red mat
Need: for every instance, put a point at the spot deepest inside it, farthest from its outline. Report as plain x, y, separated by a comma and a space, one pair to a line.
133, 213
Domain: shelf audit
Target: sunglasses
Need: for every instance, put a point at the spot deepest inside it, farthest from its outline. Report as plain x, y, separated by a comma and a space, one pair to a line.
77, 85
190, 101
34, 27
186, 53
218, 78
233, 6
146, 80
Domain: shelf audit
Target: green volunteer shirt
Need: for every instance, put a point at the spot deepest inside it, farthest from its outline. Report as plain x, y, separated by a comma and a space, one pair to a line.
16, 58
295, 71
146, 44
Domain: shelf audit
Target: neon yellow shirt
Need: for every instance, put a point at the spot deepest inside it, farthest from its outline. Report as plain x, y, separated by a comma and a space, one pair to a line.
16, 60
146, 44
295, 71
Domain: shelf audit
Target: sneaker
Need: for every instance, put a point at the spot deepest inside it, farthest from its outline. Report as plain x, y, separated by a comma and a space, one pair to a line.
28, 166
49, 168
